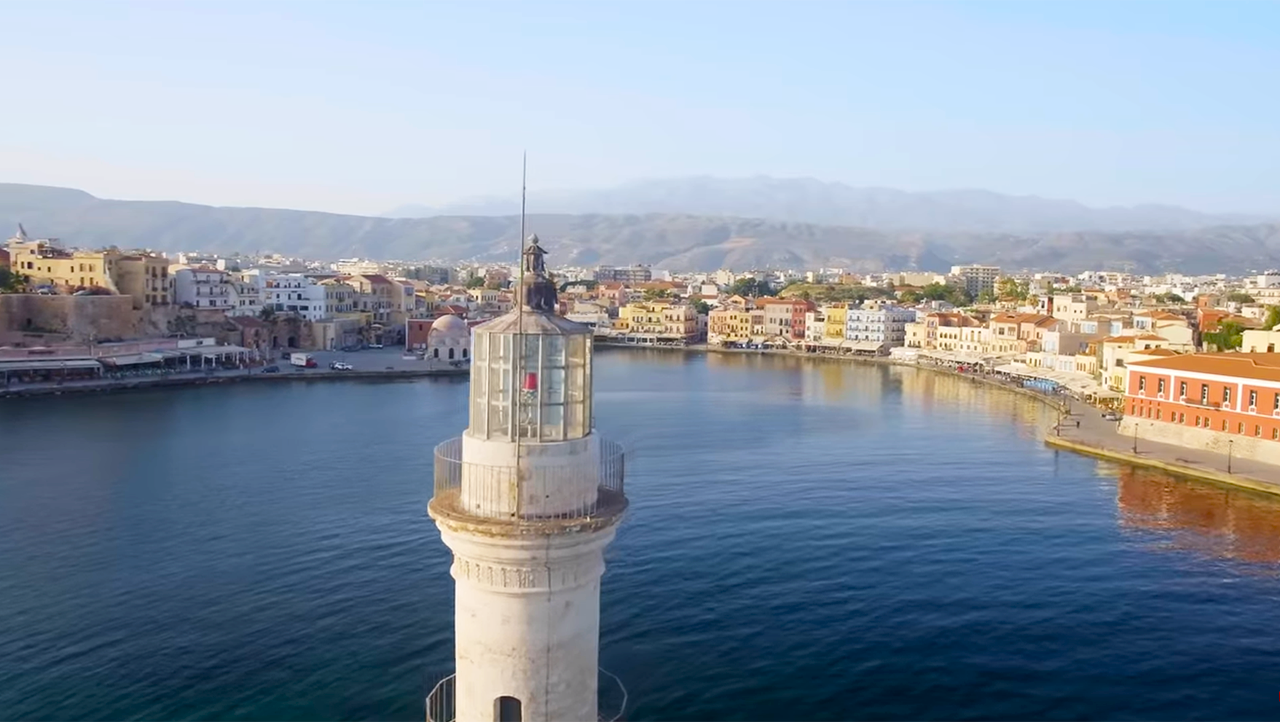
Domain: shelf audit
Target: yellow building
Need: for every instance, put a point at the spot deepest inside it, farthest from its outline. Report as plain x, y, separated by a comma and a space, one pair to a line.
662, 320
729, 325
142, 276
837, 316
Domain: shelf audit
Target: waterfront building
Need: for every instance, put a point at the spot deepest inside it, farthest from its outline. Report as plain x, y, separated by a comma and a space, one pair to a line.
203, 288
785, 317
730, 324
295, 293
378, 296
976, 278
815, 327
877, 326
527, 499
837, 316
449, 339
1221, 402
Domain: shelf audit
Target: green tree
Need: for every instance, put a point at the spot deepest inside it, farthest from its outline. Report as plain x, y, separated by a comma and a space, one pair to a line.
702, 307
1228, 337
910, 296
750, 287
653, 294
475, 282
1239, 297
11, 281
1169, 297
1011, 289
986, 296
1273, 317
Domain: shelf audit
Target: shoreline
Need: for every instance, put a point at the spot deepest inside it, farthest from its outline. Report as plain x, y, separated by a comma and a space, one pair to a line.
1233, 480
142, 384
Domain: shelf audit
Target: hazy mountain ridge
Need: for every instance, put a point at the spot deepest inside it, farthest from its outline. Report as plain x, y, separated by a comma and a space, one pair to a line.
807, 200
674, 241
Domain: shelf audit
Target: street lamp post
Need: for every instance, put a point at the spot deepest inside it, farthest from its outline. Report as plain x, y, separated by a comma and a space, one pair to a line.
1135, 437
1230, 444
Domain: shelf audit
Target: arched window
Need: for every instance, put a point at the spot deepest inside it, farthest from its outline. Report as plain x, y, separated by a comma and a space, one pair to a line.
506, 709
464, 353
435, 353
450, 354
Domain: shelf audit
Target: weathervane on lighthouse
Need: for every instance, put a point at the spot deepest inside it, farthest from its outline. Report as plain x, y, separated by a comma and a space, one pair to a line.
527, 499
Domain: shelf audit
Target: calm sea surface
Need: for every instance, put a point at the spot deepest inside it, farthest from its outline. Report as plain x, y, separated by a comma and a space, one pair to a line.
806, 541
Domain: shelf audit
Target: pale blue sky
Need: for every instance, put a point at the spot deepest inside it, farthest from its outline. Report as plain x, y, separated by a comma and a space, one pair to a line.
359, 107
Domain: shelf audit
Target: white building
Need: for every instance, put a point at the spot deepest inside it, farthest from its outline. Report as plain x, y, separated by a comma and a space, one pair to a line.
527, 499
878, 323
976, 279
295, 293
202, 287
246, 294
357, 267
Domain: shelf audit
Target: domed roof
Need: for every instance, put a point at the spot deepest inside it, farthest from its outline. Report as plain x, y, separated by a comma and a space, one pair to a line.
450, 325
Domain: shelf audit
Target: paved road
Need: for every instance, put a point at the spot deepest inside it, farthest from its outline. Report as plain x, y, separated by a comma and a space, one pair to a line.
369, 360
1096, 431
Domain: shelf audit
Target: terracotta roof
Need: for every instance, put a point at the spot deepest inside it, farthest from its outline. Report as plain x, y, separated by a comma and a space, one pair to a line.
1258, 366
1150, 337
1117, 339
1158, 352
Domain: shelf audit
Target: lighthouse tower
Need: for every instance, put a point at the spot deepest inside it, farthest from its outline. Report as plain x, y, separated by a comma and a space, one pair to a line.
527, 499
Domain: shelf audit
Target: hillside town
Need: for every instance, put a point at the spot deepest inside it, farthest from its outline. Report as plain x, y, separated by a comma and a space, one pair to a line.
1110, 338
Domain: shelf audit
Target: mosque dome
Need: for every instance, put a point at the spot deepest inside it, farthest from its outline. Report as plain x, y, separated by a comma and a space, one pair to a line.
450, 326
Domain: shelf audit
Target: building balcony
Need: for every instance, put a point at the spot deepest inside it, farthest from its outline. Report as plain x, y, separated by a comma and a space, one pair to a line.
502, 495
611, 698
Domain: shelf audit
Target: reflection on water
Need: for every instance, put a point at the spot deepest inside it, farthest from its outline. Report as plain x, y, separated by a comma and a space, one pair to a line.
1231, 523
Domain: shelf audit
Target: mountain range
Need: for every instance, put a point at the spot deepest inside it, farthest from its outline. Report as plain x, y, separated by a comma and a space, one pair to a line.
675, 241
806, 200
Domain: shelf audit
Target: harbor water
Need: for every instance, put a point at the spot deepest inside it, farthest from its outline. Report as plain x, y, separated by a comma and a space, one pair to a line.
806, 540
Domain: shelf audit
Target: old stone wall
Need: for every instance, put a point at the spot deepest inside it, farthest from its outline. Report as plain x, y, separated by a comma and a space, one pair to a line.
76, 318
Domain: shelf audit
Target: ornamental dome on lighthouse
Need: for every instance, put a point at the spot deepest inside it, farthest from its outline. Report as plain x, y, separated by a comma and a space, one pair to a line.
449, 339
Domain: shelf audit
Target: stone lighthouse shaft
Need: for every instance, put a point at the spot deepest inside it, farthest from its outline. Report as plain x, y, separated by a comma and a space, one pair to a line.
527, 499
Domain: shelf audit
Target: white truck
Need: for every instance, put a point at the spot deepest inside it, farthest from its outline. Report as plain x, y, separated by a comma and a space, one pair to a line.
302, 359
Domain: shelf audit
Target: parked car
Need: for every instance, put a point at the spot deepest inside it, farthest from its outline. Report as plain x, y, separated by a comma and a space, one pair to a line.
272, 369
375, 345
341, 366
1111, 416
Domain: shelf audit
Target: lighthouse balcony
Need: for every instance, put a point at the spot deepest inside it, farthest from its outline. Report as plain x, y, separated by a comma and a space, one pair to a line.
611, 696
531, 492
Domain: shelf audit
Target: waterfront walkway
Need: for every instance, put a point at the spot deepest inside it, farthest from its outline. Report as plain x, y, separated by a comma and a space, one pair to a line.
1099, 437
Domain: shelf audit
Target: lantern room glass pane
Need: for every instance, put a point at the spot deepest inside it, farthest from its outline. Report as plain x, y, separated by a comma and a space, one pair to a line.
575, 388
499, 386
479, 395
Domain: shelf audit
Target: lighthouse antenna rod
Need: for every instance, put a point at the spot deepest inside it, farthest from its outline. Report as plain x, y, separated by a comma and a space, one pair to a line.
518, 386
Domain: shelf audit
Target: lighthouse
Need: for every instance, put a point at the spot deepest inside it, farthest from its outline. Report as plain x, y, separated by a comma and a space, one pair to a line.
527, 499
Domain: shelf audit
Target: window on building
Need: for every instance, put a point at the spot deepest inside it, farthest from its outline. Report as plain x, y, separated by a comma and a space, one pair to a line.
1275, 434
1226, 395
1257, 431
1160, 386
1157, 414
1204, 393
1253, 398
1142, 383
1224, 425
1241, 427
1182, 389
1182, 418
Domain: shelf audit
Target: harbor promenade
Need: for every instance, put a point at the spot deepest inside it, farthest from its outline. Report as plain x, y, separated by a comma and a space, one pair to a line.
1096, 436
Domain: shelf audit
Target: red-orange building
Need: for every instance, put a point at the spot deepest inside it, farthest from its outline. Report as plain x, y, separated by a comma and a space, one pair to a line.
1229, 393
